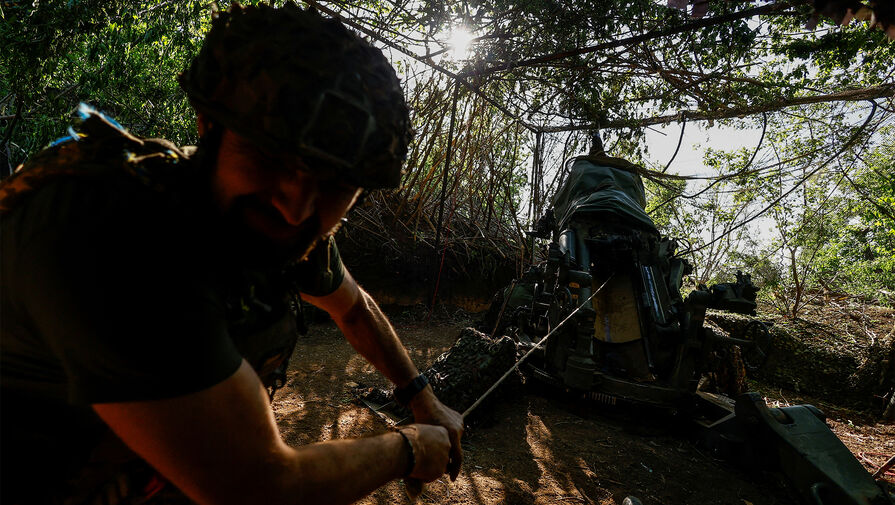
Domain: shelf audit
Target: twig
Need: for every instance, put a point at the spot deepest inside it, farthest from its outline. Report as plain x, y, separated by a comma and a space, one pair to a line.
680, 140
586, 498
885, 468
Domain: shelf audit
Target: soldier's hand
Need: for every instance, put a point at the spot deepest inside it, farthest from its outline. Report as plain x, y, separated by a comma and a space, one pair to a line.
431, 450
427, 409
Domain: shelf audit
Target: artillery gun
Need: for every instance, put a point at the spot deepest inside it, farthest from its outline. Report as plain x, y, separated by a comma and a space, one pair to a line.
607, 299
602, 316
632, 336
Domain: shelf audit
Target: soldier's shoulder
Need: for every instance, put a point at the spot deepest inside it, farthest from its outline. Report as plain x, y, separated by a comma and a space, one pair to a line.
98, 139
99, 152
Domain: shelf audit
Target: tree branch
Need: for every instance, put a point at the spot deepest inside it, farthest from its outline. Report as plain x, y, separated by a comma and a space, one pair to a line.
801, 181
425, 60
6, 168
851, 95
702, 23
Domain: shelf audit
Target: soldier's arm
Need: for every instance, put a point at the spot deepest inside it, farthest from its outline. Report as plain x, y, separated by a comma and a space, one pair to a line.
221, 446
372, 335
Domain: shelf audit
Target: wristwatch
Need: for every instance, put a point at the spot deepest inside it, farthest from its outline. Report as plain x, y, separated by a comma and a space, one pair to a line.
405, 394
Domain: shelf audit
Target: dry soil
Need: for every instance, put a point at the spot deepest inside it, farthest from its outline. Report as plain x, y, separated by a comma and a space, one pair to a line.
534, 447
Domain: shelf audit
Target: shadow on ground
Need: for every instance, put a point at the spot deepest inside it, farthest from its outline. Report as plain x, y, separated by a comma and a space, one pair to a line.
531, 447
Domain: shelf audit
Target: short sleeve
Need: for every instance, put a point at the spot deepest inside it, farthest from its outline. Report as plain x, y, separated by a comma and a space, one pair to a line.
321, 272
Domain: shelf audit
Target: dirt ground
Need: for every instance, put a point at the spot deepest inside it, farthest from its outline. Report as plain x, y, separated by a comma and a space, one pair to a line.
533, 447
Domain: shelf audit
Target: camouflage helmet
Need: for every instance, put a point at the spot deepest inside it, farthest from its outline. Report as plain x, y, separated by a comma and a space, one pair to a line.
295, 82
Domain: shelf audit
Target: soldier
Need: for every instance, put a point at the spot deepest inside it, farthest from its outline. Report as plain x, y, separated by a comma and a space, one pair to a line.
146, 289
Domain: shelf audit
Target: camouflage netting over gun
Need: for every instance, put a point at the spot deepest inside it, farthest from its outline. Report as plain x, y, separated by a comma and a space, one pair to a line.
462, 374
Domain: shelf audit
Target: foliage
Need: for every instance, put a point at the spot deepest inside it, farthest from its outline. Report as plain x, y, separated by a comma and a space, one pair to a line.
120, 56
861, 252
706, 219
777, 207
546, 72
820, 193
732, 58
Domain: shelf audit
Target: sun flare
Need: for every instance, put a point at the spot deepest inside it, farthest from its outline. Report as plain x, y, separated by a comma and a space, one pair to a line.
459, 42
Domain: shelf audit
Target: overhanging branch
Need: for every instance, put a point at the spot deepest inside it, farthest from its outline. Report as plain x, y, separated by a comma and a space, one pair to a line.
851, 95
855, 136
694, 25
424, 60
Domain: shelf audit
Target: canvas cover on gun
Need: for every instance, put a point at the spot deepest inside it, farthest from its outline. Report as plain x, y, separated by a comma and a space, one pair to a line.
601, 187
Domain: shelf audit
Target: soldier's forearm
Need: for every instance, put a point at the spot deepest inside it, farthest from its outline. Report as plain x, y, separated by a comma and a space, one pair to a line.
372, 335
191, 440
343, 471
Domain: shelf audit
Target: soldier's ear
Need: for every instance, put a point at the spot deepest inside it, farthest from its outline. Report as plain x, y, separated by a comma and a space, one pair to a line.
202, 123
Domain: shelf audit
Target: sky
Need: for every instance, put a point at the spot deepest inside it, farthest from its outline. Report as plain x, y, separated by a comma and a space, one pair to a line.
663, 141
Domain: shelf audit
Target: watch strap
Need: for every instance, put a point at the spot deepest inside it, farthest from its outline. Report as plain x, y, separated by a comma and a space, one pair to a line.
405, 394
411, 456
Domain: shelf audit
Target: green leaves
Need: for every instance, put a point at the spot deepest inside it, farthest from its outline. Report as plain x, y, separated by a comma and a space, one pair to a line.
122, 57
616, 62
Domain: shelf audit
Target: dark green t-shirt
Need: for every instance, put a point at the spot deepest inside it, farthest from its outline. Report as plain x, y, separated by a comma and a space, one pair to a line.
114, 291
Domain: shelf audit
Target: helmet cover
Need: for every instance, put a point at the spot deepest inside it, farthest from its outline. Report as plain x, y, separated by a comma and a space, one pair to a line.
294, 82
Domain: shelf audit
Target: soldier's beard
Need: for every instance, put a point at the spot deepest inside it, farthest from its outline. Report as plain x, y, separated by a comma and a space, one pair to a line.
259, 249
245, 244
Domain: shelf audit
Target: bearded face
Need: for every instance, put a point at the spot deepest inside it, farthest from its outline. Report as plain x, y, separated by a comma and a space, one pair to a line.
274, 209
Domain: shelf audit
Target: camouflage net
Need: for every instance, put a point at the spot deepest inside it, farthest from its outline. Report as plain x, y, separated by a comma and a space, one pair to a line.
293, 81
460, 375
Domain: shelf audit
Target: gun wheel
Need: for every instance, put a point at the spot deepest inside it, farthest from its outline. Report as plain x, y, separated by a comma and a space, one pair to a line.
756, 354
